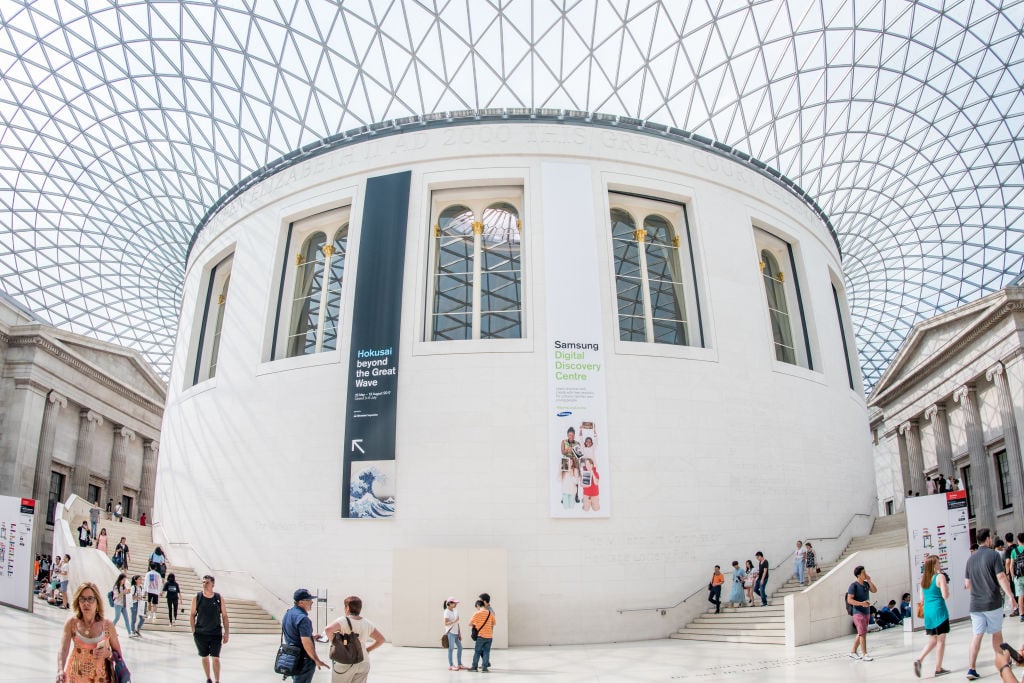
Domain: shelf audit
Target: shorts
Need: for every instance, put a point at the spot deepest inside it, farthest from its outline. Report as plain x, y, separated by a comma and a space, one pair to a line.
939, 630
207, 644
63, 586
1018, 585
987, 622
153, 598
861, 622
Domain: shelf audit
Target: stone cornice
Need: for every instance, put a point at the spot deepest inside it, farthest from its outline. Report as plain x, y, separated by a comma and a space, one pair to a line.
991, 319
61, 354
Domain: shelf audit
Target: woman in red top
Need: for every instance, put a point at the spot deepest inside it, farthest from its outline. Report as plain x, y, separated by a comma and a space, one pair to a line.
589, 478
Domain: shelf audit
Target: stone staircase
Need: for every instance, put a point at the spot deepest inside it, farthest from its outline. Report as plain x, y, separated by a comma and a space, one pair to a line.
767, 625
244, 616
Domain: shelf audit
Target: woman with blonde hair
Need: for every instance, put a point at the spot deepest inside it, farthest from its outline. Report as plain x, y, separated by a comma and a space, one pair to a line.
88, 640
935, 589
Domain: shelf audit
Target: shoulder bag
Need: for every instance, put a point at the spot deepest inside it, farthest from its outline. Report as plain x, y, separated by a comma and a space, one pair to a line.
345, 647
288, 661
475, 632
117, 670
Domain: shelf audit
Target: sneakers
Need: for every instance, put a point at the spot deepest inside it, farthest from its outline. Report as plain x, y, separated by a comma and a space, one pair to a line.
853, 655
867, 658
917, 668
972, 675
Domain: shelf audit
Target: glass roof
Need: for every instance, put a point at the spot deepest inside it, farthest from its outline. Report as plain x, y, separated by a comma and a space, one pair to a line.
122, 124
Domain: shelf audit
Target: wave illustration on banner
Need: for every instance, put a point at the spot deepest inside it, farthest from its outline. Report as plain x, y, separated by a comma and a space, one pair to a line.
372, 491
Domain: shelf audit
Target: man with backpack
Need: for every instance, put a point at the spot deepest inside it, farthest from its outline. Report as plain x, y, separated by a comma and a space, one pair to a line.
1017, 567
209, 622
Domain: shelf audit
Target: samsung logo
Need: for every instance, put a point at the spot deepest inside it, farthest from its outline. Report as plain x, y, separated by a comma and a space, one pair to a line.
565, 413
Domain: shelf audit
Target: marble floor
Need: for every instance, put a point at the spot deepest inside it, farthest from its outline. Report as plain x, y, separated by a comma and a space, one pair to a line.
29, 645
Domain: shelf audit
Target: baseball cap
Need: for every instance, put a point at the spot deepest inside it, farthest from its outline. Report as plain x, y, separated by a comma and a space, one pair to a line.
452, 599
302, 594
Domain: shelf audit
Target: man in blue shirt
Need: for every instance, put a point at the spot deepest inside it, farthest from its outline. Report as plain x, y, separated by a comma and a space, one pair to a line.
298, 631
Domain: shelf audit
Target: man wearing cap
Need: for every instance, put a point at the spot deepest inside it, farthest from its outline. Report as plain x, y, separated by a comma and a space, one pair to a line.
298, 631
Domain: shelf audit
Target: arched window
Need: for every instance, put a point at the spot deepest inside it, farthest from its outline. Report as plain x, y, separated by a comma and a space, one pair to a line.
476, 281
453, 274
782, 293
314, 275
655, 285
211, 322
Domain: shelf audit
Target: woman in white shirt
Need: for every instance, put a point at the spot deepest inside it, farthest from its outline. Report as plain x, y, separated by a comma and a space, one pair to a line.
454, 633
354, 673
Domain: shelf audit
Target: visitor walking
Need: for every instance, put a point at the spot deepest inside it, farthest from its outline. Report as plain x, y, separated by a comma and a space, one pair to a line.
173, 591
101, 541
736, 592
859, 598
94, 517
158, 561
297, 631
154, 586
354, 622
121, 594
935, 589
118, 513
1017, 568
985, 576
749, 579
208, 621
799, 560
811, 562
761, 585
453, 630
121, 555
138, 604
93, 639
715, 588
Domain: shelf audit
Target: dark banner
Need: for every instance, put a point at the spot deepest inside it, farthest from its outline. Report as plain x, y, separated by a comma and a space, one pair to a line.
368, 473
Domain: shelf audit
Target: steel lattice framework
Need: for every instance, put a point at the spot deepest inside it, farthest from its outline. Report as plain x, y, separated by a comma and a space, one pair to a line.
122, 124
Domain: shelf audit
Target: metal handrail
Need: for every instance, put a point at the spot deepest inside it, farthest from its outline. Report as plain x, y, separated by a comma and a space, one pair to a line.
663, 610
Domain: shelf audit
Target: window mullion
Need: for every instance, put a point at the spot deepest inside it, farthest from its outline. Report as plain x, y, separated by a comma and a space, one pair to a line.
645, 283
321, 316
478, 231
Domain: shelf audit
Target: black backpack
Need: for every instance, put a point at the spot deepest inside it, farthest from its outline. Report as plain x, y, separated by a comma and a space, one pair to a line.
1018, 561
849, 607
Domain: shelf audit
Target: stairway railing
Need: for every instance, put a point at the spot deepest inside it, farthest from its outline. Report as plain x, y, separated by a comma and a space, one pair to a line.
788, 558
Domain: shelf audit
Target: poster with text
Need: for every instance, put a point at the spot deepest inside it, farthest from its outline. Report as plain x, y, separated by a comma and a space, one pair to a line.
577, 444
16, 558
938, 525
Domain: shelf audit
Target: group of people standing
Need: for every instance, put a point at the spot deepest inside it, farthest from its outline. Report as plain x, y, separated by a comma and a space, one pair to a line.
481, 623
750, 582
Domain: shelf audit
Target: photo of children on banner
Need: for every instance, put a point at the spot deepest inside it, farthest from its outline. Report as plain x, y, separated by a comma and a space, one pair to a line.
578, 469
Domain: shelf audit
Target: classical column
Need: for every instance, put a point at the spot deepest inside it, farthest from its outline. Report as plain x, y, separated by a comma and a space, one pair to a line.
44, 455
981, 488
940, 428
147, 486
1011, 440
87, 423
915, 458
904, 482
118, 457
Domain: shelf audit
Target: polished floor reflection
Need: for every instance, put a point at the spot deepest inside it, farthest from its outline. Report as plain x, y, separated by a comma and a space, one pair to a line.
29, 643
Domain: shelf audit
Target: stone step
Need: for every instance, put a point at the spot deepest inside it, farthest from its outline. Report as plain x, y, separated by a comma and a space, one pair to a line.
758, 639
728, 621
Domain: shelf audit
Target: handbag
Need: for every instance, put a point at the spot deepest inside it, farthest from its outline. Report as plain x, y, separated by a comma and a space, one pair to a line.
474, 632
288, 661
345, 647
117, 670
920, 610
444, 641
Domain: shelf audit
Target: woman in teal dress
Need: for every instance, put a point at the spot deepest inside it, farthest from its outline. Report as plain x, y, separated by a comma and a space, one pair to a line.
936, 617
736, 594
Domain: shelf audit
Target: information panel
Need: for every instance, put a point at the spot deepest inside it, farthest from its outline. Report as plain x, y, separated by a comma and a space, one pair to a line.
368, 473
938, 525
577, 444
16, 559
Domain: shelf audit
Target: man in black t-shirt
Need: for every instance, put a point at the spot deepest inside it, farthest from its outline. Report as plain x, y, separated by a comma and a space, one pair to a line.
761, 584
209, 622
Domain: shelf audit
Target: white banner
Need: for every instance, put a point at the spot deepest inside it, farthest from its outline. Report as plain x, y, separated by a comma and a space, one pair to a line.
937, 525
577, 403
16, 558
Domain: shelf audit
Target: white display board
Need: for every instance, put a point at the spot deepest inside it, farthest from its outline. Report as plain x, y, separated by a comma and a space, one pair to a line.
17, 516
938, 525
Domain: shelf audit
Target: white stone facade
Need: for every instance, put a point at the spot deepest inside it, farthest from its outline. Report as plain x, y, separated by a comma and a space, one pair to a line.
952, 399
716, 451
78, 416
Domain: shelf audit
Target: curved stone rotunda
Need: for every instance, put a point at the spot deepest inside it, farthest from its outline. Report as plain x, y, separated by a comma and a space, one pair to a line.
559, 299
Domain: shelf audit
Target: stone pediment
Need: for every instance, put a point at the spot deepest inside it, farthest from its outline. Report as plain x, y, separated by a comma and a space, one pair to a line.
120, 364
934, 337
